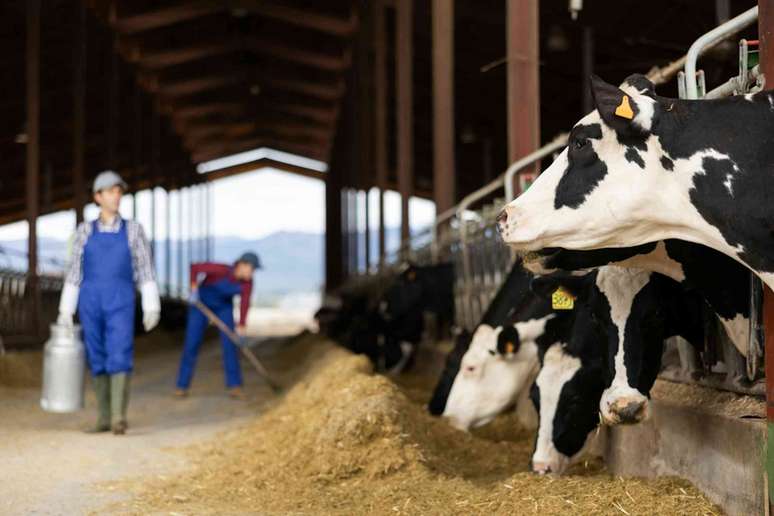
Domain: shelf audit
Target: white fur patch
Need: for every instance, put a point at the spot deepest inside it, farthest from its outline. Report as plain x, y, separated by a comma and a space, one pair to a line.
558, 369
487, 382
738, 331
620, 285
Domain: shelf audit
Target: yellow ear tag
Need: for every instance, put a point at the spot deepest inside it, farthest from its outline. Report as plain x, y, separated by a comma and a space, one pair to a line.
509, 348
624, 110
562, 300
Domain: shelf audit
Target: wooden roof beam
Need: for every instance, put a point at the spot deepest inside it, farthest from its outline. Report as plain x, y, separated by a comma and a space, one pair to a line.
196, 85
214, 150
301, 17
162, 17
184, 113
311, 58
161, 58
319, 91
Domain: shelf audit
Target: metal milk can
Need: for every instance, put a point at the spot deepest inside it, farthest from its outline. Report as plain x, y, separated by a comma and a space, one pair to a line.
64, 367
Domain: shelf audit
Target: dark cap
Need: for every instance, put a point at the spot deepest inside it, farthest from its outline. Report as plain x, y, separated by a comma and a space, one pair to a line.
251, 259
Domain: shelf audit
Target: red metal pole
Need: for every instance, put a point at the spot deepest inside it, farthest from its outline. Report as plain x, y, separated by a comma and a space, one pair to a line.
404, 52
523, 79
33, 156
766, 37
380, 116
79, 113
443, 104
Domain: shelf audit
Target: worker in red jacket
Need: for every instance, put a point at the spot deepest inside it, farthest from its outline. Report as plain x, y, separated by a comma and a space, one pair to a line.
215, 285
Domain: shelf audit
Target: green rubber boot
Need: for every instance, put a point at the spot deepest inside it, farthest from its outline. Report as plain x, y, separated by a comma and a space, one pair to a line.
119, 401
102, 390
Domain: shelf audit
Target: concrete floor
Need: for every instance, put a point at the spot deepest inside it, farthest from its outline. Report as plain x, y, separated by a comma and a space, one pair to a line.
49, 466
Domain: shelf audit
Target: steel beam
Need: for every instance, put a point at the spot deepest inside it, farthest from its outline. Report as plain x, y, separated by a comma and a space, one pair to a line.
523, 78
443, 104
766, 37
404, 50
33, 157
79, 113
380, 116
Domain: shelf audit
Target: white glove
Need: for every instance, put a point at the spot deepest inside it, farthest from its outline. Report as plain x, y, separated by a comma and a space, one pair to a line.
150, 320
68, 301
65, 319
151, 305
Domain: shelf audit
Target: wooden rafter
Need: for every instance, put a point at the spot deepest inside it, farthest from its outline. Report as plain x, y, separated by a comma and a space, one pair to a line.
164, 16
301, 17
303, 56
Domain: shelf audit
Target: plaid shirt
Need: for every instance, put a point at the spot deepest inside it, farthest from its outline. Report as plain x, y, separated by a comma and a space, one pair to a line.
142, 262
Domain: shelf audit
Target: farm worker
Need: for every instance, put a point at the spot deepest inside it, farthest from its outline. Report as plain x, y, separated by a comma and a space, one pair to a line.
215, 285
109, 257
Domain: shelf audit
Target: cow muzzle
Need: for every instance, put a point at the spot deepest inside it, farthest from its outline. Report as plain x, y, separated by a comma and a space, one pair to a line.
627, 410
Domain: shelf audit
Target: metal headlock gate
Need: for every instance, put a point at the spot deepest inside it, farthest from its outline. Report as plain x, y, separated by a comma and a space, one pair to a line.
466, 235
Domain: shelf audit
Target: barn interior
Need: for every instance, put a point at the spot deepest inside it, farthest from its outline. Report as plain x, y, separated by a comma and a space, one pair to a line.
430, 98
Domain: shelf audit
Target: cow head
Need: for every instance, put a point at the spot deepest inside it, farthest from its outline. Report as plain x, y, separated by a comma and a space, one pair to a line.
572, 376
499, 364
599, 191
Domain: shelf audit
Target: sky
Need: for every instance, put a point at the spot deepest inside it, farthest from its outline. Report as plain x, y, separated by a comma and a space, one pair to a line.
250, 205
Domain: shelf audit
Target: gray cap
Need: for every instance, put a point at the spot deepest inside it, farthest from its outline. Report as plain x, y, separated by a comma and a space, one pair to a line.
108, 179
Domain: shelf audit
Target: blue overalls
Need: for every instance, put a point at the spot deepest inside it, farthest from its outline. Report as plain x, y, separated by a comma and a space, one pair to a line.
106, 302
218, 297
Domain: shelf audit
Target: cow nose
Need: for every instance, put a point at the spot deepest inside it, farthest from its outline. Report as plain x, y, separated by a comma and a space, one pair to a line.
502, 218
630, 412
541, 468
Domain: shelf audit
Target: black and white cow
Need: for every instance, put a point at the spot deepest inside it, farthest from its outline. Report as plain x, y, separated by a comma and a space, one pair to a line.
614, 305
721, 281
587, 376
417, 290
642, 168
464, 392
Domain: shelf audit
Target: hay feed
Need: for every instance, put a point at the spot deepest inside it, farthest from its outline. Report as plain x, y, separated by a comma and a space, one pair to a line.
346, 441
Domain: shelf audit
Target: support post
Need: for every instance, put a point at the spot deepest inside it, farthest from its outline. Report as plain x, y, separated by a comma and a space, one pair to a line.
367, 234
380, 116
523, 79
33, 158
112, 109
766, 37
405, 105
168, 243
333, 228
587, 66
79, 112
443, 104
180, 285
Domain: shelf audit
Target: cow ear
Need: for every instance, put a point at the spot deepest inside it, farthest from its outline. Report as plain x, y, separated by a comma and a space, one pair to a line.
508, 341
617, 108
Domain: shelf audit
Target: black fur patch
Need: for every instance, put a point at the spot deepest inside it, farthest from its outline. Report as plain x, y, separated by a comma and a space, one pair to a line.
632, 156
584, 170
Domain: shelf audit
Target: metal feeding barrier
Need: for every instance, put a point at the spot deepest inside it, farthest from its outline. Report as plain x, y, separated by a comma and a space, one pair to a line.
19, 323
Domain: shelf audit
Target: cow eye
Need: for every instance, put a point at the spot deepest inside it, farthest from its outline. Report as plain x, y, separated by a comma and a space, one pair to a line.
579, 143
491, 352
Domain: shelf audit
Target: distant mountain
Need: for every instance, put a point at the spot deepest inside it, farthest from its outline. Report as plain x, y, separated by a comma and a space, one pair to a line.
293, 262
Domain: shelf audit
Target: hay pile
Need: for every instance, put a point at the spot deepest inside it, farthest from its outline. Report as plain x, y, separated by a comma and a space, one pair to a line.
345, 441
